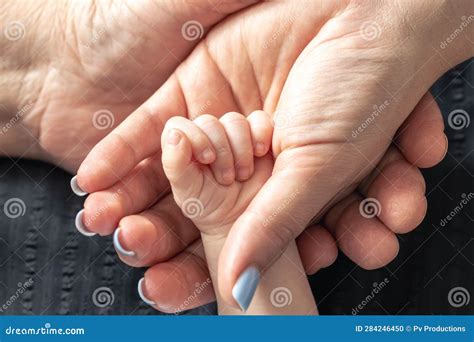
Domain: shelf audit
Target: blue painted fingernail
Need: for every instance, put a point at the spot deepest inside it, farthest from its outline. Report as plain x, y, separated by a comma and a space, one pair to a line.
245, 287
76, 188
142, 295
80, 225
118, 245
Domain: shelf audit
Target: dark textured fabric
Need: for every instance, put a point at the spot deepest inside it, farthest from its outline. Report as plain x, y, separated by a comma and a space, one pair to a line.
67, 267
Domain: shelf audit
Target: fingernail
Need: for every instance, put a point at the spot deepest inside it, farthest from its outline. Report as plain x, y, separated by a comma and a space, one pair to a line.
80, 225
118, 245
142, 295
228, 174
76, 188
245, 287
243, 172
259, 148
173, 137
207, 155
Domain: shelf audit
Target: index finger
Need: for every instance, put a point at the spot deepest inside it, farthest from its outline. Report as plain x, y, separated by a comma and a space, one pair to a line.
135, 139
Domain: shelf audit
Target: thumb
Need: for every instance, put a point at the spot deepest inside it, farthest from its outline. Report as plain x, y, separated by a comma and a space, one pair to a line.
276, 216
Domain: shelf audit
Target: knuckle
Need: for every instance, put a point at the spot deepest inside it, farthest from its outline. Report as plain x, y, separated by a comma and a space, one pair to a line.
258, 114
223, 152
173, 121
232, 117
205, 120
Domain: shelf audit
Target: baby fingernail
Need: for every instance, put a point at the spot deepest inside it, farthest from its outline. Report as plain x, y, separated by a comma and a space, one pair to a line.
245, 287
260, 148
228, 174
243, 172
173, 137
207, 155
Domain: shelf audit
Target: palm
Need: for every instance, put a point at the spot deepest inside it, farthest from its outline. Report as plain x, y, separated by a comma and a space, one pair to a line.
124, 52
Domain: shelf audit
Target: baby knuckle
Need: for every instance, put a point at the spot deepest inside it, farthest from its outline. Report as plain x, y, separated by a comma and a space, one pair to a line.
232, 117
206, 120
223, 151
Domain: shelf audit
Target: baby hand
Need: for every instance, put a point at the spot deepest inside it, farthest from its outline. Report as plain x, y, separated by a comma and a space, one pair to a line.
203, 161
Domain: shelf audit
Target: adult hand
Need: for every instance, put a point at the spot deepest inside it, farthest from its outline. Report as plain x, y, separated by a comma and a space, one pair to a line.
344, 99
74, 70
160, 233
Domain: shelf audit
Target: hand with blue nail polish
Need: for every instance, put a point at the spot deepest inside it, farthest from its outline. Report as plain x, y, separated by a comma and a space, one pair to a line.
214, 203
243, 65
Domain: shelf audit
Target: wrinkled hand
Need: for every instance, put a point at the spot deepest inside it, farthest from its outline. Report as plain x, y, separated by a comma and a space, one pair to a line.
81, 67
